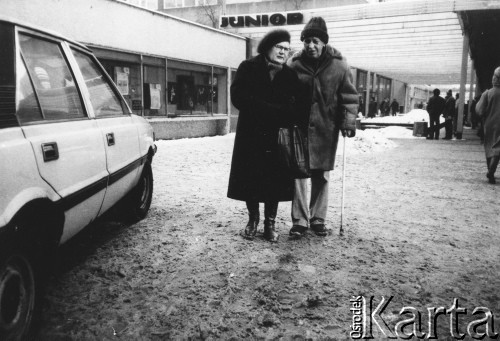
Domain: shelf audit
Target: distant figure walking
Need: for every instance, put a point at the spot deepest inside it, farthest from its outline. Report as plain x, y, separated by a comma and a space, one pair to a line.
488, 109
394, 107
385, 107
448, 113
435, 108
372, 108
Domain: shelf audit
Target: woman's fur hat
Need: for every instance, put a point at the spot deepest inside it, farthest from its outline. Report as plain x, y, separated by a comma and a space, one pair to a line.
271, 39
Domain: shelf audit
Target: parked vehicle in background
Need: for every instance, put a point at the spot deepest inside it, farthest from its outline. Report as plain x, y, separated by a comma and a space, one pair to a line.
70, 149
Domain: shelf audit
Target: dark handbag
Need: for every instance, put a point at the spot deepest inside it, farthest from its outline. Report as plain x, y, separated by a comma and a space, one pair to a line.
293, 152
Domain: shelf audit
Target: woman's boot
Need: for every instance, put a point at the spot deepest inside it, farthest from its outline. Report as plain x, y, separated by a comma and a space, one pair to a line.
253, 219
492, 168
270, 210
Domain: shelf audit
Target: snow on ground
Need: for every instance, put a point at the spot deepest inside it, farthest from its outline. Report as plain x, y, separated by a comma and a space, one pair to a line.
365, 141
416, 115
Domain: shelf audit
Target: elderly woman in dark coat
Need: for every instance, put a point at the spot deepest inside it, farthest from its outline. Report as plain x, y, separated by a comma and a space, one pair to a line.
266, 92
488, 109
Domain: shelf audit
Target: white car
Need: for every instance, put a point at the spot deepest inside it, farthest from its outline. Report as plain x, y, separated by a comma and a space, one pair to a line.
70, 149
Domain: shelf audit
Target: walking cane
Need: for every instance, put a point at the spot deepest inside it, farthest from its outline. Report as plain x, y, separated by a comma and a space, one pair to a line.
343, 191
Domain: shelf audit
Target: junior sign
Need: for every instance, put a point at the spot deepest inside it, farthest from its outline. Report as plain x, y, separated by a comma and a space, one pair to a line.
276, 19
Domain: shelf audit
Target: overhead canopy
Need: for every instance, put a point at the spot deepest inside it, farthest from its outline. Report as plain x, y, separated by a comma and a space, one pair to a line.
483, 27
417, 42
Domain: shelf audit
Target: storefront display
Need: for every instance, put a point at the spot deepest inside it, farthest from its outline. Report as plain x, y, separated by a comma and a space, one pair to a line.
167, 87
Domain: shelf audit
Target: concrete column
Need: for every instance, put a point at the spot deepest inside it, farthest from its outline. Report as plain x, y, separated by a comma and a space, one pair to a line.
463, 80
142, 85
228, 100
211, 96
367, 95
471, 90
166, 87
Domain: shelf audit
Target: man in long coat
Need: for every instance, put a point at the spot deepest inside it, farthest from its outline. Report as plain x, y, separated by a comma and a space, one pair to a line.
435, 108
488, 109
448, 114
333, 109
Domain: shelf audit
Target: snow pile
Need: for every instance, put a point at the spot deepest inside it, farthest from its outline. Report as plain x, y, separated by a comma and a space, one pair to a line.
365, 141
374, 140
416, 115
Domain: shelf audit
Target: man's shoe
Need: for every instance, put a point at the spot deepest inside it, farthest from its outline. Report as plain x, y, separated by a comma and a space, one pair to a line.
491, 178
298, 230
319, 229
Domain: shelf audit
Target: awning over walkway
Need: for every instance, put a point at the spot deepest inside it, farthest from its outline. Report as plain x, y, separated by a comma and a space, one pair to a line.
417, 42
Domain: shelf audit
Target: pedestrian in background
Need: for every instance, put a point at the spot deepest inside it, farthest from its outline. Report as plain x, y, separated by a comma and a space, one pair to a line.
266, 92
448, 113
333, 108
372, 108
455, 116
488, 109
385, 107
361, 106
435, 108
394, 107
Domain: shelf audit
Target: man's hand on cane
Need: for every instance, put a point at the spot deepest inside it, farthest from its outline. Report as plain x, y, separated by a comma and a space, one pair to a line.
348, 132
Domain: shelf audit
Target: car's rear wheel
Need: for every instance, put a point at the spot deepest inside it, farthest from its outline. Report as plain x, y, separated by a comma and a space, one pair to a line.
139, 200
17, 296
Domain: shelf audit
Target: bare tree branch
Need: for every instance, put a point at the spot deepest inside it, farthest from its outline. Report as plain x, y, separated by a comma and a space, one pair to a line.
211, 13
297, 4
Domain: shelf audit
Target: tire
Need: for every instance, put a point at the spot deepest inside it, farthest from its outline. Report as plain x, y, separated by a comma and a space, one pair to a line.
139, 200
18, 297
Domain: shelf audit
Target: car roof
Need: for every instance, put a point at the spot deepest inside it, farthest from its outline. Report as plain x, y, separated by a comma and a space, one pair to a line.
41, 30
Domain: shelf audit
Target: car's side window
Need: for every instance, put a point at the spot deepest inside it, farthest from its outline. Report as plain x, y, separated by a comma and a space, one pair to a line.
51, 77
104, 100
27, 107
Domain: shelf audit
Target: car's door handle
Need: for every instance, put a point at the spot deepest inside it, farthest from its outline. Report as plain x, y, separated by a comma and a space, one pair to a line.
50, 151
111, 139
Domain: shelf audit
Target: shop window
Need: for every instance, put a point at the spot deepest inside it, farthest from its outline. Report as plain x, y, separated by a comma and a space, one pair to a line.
234, 111
361, 80
384, 87
191, 89
127, 77
154, 91
219, 91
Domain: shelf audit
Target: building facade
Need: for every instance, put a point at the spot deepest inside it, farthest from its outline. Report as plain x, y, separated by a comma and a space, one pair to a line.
169, 70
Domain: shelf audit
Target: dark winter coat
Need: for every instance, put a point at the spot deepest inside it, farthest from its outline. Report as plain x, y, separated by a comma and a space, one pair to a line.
488, 109
395, 106
334, 103
435, 106
449, 108
372, 109
264, 107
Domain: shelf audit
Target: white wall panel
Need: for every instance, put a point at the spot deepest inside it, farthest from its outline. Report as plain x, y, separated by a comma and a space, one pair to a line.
126, 27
